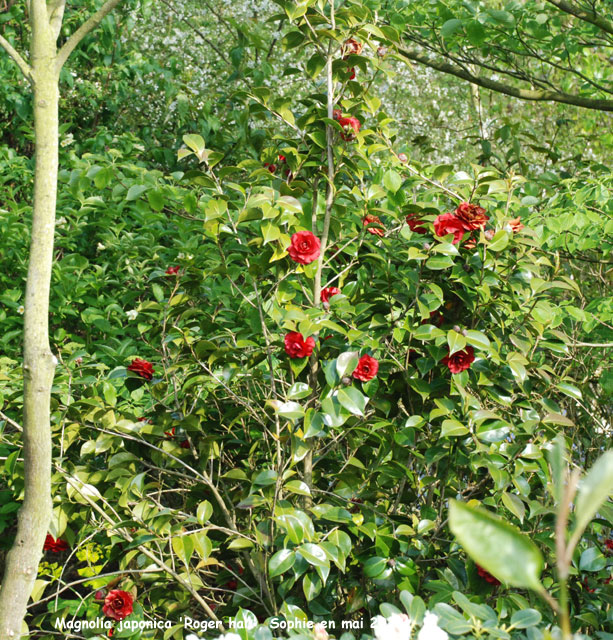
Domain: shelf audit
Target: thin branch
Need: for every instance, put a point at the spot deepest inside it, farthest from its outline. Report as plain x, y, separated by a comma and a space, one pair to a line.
13, 53
523, 94
586, 16
91, 23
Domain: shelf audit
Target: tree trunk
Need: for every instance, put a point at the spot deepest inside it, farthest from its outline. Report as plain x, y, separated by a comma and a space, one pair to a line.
39, 362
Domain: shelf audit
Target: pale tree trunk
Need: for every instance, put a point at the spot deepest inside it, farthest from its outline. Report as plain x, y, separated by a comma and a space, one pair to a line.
38, 361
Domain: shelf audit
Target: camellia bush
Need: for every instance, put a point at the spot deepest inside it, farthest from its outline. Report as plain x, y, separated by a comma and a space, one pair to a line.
327, 384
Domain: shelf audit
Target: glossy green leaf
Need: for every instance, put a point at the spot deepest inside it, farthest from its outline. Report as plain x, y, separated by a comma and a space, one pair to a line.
496, 545
594, 489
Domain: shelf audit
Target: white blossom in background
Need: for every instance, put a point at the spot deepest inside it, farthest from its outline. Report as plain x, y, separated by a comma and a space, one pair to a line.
397, 627
430, 629
132, 314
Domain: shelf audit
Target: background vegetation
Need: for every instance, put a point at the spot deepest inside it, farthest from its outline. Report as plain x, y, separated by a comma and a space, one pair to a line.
237, 480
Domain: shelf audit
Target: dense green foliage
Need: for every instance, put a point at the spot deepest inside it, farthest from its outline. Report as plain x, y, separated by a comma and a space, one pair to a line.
187, 488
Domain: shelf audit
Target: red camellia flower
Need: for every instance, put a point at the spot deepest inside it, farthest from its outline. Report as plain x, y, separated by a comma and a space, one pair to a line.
352, 47
376, 231
487, 576
460, 360
171, 271
448, 223
471, 216
415, 223
328, 292
367, 368
271, 167
304, 247
141, 368
297, 347
118, 604
111, 632
51, 544
515, 224
351, 126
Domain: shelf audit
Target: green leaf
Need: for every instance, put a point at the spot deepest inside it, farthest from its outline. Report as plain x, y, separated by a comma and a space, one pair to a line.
291, 410
204, 511
270, 232
499, 241
427, 332
314, 554
525, 618
311, 586
477, 339
158, 292
436, 263
450, 27
298, 391
281, 562
315, 64
135, 191
392, 181
183, 546
292, 526
592, 560
299, 487
346, 363
374, 567
353, 400
453, 428
569, 390
456, 341
594, 489
194, 142
497, 546
514, 504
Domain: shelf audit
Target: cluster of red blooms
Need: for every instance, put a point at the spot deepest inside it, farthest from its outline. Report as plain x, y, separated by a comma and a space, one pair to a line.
51, 544
172, 271
297, 347
142, 368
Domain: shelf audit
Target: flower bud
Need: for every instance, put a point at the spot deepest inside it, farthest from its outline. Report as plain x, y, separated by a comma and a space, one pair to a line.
319, 632
427, 246
382, 52
403, 157
346, 380
457, 329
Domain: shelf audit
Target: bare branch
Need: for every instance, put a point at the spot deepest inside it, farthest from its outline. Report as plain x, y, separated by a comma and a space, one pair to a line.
91, 23
13, 53
522, 94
